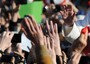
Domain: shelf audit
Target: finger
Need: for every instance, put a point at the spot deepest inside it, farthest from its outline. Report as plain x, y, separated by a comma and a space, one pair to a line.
28, 25
15, 52
31, 25
23, 30
48, 26
37, 28
84, 33
48, 43
56, 28
20, 54
41, 29
33, 21
52, 44
52, 28
24, 26
13, 60
45, 43
64, 56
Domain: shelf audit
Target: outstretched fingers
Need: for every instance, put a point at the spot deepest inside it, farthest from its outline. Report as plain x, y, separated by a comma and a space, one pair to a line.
28, 25
48, 27
31, 25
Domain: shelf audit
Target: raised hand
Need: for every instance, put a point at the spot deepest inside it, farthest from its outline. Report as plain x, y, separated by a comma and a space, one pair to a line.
5, 41
68, 14
81, 41
32, 30
78, 47
53, 34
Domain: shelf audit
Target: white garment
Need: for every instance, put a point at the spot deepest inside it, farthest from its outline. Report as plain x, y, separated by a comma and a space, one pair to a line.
77, 27
74, 33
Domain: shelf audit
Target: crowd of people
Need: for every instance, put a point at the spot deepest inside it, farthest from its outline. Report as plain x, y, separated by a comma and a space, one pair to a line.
62, 37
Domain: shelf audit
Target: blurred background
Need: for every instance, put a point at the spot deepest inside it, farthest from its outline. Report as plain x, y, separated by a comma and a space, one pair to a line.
34, 8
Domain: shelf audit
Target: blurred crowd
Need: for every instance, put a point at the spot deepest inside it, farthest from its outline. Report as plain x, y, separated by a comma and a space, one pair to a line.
62, 37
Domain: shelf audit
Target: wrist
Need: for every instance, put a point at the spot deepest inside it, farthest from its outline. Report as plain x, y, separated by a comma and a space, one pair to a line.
58, 52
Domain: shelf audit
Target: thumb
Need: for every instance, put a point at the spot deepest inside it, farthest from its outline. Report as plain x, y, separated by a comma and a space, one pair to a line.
84, 33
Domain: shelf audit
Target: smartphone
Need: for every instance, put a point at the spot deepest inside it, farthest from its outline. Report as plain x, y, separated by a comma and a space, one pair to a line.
16, 39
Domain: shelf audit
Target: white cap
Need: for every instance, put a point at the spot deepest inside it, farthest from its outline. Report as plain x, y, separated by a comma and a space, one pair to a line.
25, 43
